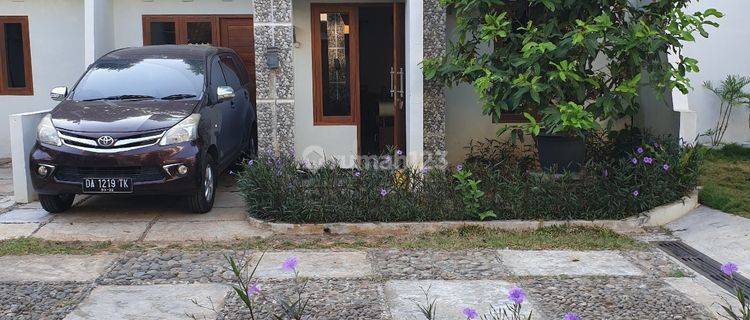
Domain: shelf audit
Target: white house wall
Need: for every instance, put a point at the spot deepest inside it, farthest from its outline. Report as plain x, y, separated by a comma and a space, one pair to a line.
337, 141
724, 52
56, 36
127, 14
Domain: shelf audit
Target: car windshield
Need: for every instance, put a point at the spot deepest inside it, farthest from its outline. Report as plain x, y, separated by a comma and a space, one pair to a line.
142, 78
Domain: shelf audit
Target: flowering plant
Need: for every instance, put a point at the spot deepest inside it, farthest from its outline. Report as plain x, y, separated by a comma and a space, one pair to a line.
730, 269
511, 311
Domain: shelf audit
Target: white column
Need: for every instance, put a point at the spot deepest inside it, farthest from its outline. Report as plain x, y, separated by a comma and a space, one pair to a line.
98, 29
688, 118
414, 86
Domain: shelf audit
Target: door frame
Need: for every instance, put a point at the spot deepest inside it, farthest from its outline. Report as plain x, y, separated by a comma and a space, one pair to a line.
181, 21
317, 73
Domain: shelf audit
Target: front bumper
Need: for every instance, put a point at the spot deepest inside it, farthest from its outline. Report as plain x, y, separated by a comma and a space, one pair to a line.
145, 165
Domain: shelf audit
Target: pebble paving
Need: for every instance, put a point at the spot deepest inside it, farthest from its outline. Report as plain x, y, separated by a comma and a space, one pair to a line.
612, 298
40, 300
358, 289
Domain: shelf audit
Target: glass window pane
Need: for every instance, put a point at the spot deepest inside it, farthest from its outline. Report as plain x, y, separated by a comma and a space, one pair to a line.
199, 33
14, 59
231, 72
334, 44
163, 32
156, 77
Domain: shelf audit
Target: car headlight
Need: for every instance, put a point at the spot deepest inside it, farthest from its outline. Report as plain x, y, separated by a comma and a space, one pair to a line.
46, 132
186, 130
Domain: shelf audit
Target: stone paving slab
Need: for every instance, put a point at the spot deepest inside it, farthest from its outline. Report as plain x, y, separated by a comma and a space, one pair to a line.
337, 264
217, 214
570, 263
703, 292
226, 199
92, 231
164, 231
25, 216
17, 230
722, 236
30, 205
6, 201
451, 296
54, 268
150, 302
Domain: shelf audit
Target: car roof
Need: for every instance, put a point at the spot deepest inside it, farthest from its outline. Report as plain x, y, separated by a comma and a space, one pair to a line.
189, 51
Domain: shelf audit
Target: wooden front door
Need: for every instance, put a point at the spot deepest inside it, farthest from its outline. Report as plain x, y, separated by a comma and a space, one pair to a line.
234, 32
237, 34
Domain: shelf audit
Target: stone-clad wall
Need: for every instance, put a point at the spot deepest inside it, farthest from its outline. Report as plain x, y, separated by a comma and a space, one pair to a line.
273, 28
434, 96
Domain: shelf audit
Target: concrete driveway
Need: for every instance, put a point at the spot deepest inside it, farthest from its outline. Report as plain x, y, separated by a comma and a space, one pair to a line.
134, 218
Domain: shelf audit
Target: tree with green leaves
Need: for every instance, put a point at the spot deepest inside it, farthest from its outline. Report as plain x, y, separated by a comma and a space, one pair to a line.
569, 63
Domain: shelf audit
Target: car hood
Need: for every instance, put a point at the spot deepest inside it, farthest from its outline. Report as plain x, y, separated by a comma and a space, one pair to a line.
120, 115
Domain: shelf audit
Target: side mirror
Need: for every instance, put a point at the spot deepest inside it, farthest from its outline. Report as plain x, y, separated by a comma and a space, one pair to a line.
58, 93
224, 93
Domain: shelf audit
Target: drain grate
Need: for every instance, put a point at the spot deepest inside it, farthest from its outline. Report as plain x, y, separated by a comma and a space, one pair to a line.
704, 265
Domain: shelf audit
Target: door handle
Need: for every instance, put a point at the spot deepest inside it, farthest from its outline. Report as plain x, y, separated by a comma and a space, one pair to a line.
393, 89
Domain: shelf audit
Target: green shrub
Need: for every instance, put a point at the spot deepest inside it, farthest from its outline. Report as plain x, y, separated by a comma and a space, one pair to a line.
610, 186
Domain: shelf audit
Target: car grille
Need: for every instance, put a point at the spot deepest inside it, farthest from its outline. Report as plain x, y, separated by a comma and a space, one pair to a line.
121, 143
138, 174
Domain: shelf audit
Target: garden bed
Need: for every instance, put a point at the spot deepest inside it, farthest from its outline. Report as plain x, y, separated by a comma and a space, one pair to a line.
626, 173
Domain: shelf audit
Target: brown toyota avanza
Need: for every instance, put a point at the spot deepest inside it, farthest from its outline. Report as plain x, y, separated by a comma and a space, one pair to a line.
151, 120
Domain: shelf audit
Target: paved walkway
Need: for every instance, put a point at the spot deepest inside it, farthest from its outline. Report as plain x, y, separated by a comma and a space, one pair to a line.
722, 236
130, 218
367, 284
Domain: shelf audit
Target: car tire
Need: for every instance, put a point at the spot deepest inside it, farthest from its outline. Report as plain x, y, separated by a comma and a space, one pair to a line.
203, 198
56, 203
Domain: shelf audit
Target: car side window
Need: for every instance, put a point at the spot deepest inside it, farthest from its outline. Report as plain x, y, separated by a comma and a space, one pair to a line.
231, 72
217, 77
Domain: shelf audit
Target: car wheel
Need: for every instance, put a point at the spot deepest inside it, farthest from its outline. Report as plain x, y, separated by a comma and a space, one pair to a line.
203, 199
55, 203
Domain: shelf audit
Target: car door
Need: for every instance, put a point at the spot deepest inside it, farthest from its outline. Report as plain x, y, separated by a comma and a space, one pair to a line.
238, 105
222, 112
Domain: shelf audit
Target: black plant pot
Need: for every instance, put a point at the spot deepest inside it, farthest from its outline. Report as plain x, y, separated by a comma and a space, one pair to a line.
561, 153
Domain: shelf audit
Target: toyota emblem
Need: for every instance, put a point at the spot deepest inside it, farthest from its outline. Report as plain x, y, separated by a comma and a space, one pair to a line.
105, 141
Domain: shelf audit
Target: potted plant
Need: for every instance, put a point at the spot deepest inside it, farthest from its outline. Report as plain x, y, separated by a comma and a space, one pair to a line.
560, 136
571, 64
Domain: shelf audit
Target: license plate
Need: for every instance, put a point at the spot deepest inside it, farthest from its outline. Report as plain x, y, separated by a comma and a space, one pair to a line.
107, 185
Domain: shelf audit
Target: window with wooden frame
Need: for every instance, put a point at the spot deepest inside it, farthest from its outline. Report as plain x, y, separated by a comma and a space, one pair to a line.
181, 29
335, 56
15, 56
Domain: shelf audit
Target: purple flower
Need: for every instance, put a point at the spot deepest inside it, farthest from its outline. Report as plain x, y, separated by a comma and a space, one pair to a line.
253, 289
635, 193
399, 152
665, 166
470, 313
516, 295
634, 160
605, 173
425, 169
383, 192
729, 268
571, 316
648, 160
639, 150
459, 167
290, 264
357, 173
250, 163
387, 158
656, 144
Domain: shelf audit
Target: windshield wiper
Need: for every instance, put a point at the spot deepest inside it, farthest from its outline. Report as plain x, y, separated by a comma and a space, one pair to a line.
178, 96
123, 97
